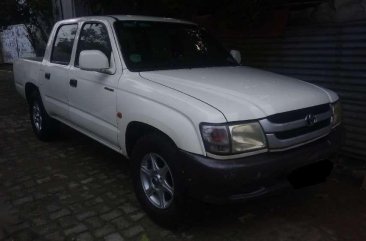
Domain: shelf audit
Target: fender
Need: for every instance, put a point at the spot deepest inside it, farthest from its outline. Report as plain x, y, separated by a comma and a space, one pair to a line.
175, 114
171, 122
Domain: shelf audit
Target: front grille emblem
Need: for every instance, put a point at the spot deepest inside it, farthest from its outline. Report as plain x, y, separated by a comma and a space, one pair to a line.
310, 119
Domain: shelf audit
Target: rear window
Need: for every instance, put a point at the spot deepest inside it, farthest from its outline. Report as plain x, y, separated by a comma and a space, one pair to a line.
62, 46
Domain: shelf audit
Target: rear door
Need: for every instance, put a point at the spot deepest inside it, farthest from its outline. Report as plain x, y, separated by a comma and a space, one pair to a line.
92, 95
55, 74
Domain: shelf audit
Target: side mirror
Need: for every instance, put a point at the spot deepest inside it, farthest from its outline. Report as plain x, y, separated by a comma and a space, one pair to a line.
236, 55
93, 60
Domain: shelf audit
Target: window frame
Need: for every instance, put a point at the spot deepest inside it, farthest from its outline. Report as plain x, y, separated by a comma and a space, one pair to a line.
54, 41
79, 37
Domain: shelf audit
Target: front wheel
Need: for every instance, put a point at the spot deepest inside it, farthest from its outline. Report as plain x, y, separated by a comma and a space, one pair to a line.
156, 180
44, 127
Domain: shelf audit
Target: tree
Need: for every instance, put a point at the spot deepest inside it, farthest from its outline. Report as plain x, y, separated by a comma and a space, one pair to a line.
36, 15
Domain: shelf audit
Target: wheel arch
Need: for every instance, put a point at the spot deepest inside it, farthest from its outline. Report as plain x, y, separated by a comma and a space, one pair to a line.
136, 129
30, 88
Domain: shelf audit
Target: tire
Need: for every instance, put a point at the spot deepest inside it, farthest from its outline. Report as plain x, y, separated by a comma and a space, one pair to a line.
44, 127
150, 181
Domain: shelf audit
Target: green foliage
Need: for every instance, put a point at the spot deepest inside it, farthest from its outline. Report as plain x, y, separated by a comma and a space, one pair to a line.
8, 12
144, 237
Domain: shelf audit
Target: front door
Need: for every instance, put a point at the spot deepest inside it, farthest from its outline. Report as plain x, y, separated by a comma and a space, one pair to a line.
92, 95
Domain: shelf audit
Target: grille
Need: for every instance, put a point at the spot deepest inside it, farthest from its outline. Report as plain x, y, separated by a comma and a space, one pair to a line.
288, 129
298, 114
302, 130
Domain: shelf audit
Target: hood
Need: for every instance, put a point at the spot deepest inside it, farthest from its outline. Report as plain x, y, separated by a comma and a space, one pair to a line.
242, 93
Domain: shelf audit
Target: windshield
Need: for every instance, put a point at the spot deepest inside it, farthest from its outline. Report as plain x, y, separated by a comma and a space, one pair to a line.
150, 45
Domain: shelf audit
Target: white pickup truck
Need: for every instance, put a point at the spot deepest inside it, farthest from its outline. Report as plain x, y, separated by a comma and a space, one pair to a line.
192, 120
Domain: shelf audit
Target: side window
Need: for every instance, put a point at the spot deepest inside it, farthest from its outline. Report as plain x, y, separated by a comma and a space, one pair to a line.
94, 36
62, 46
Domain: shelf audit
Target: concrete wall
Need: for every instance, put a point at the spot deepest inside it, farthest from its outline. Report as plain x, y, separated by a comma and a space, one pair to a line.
1, 54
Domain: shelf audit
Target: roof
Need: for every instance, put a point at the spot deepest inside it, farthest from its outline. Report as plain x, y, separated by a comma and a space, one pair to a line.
123, 18
148, 18
130, 18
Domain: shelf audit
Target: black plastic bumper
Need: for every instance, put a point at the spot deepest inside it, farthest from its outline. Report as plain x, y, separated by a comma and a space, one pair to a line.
245, 178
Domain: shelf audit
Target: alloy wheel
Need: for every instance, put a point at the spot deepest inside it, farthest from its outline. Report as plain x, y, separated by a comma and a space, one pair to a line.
37, 116
156, 179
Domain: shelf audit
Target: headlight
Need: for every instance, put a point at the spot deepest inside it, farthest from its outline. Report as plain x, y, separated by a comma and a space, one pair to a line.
337, 114
247, 137
232, 139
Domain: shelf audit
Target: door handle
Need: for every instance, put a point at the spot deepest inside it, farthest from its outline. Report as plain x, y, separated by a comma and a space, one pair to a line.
47, 75
109, 89
73, 83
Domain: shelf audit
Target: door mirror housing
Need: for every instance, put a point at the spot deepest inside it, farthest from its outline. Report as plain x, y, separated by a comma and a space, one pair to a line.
93, 60
236, 55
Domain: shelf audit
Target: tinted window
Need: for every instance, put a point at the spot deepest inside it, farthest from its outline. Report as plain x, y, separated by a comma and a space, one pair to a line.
94, 36
62, 47
162, 45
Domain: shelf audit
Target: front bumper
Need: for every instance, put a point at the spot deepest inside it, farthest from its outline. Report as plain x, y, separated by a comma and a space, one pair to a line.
250, 177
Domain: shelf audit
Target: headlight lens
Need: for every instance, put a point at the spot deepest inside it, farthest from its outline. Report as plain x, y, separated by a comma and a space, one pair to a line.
232, 139
247, 137
337, 114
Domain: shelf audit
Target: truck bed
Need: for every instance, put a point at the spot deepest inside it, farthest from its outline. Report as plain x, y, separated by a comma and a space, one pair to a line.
26, 70
37, 59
